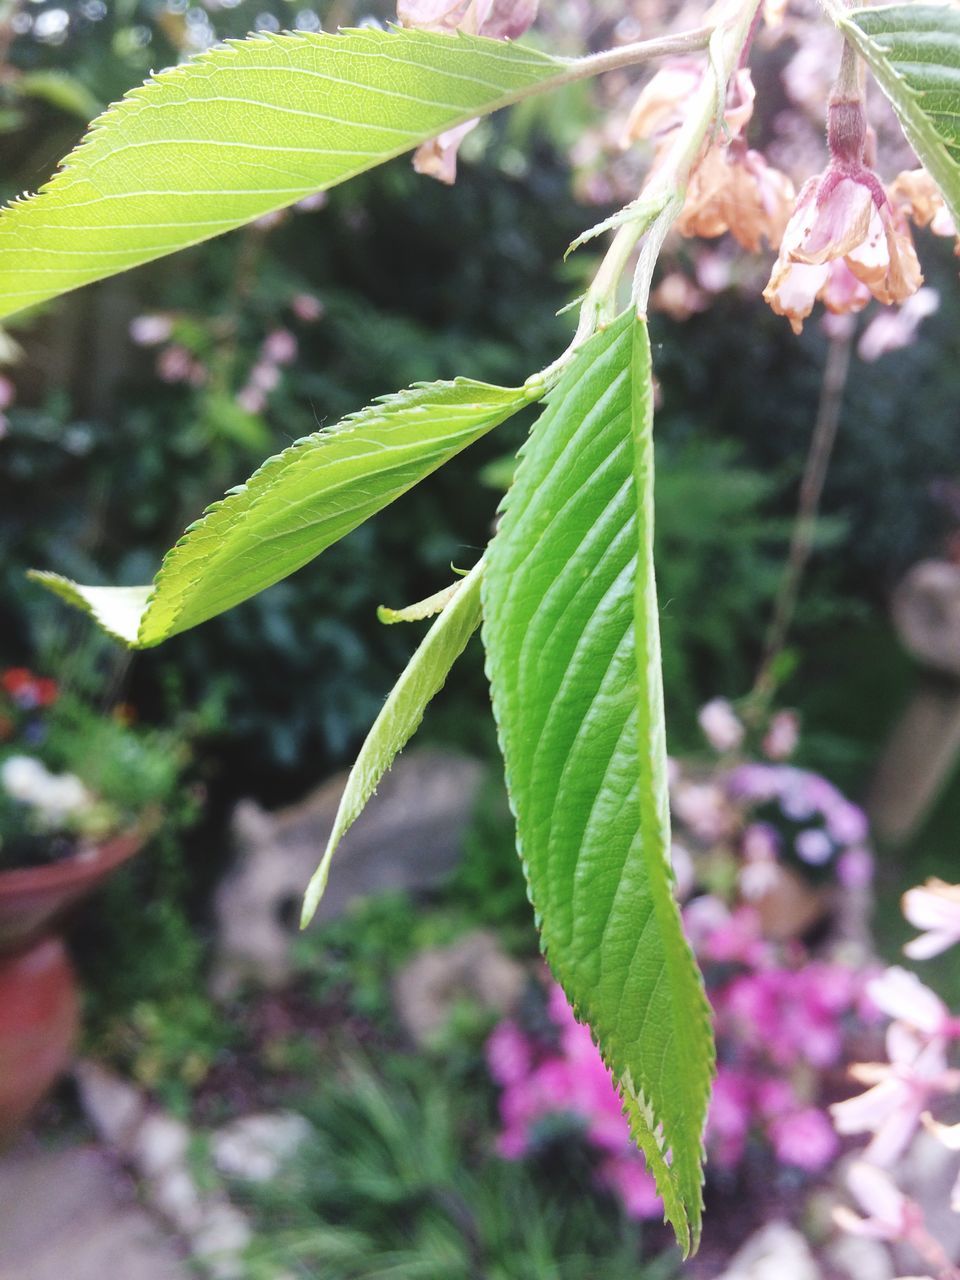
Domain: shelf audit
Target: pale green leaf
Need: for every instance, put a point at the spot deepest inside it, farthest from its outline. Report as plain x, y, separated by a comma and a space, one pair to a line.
246, 128
416, 612
913, 51
422, 678
570, 628
296, 505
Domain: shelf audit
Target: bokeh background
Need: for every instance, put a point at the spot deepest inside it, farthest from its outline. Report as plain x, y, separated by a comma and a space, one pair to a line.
130, 405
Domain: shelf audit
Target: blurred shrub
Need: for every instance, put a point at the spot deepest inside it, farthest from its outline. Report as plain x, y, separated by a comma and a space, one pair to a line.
399, 1180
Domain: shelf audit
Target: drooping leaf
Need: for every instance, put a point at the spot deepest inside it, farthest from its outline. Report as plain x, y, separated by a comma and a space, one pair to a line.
296, 505
245, 128
402, 712
420, 609
570, 628
913, 51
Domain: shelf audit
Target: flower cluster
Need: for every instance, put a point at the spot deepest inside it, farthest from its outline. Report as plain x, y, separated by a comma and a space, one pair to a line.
902, 1093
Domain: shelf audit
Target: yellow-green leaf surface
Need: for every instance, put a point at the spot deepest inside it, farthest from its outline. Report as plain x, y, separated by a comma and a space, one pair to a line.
570, 629
402, 712
295, 506
913, 51
246, 128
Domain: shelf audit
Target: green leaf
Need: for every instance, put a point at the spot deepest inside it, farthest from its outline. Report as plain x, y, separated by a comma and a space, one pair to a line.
422, 678
243, 129
296, 505
914, 52
570, 628
421, 609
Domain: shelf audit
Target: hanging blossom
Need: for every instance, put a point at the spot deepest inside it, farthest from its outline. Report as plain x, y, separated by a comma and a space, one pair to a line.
497, 19
846, 241
732, 187
916, 194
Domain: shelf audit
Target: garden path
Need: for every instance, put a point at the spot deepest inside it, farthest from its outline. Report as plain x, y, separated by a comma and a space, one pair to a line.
72, 1214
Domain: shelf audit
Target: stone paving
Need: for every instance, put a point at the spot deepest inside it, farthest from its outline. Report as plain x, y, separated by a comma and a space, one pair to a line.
72, 1214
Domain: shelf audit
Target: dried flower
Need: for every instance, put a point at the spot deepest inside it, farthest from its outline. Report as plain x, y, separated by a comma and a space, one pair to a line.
916, 194
734, 189
843, 217
497, 19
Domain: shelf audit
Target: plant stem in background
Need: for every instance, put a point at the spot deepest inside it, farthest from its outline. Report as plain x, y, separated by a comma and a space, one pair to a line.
832, 388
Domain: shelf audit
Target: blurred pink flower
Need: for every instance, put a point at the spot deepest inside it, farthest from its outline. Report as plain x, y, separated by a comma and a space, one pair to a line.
894, 330
279, 347
509, 1056
728, 1122
805, 1139
150, 330
783, 732
633, 1184
8, 392
901, 995
855, 868
935, 908
720, 725
900, 1092
306, 307
888, 1213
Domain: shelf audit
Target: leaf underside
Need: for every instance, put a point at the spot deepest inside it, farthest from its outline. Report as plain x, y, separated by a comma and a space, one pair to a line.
295, 506
396, 724
914, 53
577, 698
246, 128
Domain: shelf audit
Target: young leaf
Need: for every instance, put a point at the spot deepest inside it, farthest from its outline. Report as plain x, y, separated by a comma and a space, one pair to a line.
397, 722
296, 505
246, 128
570, 628
913, 51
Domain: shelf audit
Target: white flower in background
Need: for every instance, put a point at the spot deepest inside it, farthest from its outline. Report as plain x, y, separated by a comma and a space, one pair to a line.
55, 797
935, 908
720, 725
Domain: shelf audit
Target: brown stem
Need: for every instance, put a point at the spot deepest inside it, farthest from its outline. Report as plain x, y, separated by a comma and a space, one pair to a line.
824, 436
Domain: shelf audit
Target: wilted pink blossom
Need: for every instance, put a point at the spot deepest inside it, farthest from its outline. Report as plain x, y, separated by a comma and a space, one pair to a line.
497, 19
935, 908
720, 724
894, 330
843, 217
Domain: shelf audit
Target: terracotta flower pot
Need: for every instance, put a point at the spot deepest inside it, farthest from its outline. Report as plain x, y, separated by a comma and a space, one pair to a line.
39, 1003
